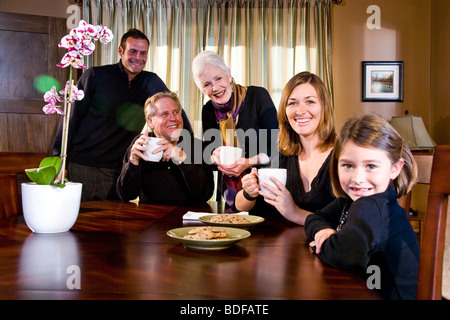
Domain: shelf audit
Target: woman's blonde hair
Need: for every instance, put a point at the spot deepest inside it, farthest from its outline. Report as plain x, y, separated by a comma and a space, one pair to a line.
372, 131
289, 140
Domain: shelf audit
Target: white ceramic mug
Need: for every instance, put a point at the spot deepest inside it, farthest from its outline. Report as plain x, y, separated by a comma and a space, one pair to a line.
152, 144
229, 155
264, 175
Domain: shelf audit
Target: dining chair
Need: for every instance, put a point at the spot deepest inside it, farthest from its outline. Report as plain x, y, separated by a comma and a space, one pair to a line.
13, 164
424, 161
431, 262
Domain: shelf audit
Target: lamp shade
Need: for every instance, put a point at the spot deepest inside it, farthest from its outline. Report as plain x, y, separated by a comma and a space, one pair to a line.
413, 130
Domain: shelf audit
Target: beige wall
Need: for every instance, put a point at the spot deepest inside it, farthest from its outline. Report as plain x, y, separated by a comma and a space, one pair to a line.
414, 31
404, 36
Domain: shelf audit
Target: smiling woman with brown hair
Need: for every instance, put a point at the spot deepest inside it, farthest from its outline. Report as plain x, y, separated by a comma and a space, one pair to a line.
306, 139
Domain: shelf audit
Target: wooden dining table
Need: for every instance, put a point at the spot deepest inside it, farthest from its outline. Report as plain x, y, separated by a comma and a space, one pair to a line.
121, 250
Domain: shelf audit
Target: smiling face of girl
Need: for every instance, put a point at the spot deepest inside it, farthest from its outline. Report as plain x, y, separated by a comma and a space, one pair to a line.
365, 171
216, 84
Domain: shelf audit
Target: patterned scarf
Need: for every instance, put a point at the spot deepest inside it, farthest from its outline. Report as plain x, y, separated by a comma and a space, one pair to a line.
227, 116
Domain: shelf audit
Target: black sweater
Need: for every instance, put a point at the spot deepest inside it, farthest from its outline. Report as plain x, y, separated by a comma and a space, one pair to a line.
258, 113
190, 182
376, 232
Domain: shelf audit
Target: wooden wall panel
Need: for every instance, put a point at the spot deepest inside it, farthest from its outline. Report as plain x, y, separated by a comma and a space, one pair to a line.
35, 132
32, 50
26, 57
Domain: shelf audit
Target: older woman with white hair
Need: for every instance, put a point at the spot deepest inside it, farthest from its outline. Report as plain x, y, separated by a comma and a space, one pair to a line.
245, 116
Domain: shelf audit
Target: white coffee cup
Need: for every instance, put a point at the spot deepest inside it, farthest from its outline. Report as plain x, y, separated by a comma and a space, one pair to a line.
152, 144
264, 175
229, 155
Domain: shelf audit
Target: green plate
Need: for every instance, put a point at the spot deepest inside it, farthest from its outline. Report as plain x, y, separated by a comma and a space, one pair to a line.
253, 221
213, 244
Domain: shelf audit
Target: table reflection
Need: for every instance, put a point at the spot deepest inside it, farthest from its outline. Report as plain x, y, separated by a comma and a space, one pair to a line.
50, 262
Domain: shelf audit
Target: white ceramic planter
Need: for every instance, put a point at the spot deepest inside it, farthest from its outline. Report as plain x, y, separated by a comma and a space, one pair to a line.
49, 209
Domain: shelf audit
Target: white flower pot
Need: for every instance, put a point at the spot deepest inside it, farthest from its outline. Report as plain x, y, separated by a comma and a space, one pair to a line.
49, 209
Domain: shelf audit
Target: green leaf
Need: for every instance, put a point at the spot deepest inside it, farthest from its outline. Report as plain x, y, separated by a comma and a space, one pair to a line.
51, 161
47, 172
42, 175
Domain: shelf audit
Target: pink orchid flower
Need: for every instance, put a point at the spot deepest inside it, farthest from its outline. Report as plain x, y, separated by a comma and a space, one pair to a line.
73, 58
76, 93
52, 98
50, 108
105, 35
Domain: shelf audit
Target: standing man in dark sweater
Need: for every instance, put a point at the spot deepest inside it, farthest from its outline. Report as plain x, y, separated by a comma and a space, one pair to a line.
111, 114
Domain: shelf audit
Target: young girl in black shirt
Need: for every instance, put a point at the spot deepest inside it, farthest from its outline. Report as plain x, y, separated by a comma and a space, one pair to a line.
371, 167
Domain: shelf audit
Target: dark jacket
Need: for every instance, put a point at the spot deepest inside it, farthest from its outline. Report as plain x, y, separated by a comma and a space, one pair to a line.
190, 182
377, 232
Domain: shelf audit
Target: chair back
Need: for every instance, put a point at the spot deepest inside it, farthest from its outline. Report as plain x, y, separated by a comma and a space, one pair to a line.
12, 164
424, 162
433, 243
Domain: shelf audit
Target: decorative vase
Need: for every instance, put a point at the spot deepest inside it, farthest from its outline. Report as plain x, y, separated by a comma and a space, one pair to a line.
50, 209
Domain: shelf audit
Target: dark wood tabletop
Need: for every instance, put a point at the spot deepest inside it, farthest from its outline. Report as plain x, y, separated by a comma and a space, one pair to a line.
120, 250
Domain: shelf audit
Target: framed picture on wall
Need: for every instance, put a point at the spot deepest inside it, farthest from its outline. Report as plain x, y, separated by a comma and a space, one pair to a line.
382, 81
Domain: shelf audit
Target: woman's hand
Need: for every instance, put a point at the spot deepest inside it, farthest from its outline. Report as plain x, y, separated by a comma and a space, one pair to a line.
320, 237
279, 197
235, 169
250, 183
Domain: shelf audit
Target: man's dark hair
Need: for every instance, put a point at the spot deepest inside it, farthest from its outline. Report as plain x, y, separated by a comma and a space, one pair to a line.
135, 34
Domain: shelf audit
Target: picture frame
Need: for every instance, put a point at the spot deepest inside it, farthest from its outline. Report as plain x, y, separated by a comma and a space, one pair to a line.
382, 81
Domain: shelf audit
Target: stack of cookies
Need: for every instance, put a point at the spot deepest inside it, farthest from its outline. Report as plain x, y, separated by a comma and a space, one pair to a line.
206, 233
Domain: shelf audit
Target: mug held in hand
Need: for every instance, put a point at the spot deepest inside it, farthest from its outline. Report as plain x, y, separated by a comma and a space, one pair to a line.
264, 175
152, 144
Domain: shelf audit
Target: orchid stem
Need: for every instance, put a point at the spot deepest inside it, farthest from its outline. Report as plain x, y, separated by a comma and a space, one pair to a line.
66, 119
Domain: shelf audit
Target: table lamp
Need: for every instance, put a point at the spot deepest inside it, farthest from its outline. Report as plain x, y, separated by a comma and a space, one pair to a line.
412, 129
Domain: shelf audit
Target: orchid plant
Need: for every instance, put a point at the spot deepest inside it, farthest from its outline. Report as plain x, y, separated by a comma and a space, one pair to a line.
79, 43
